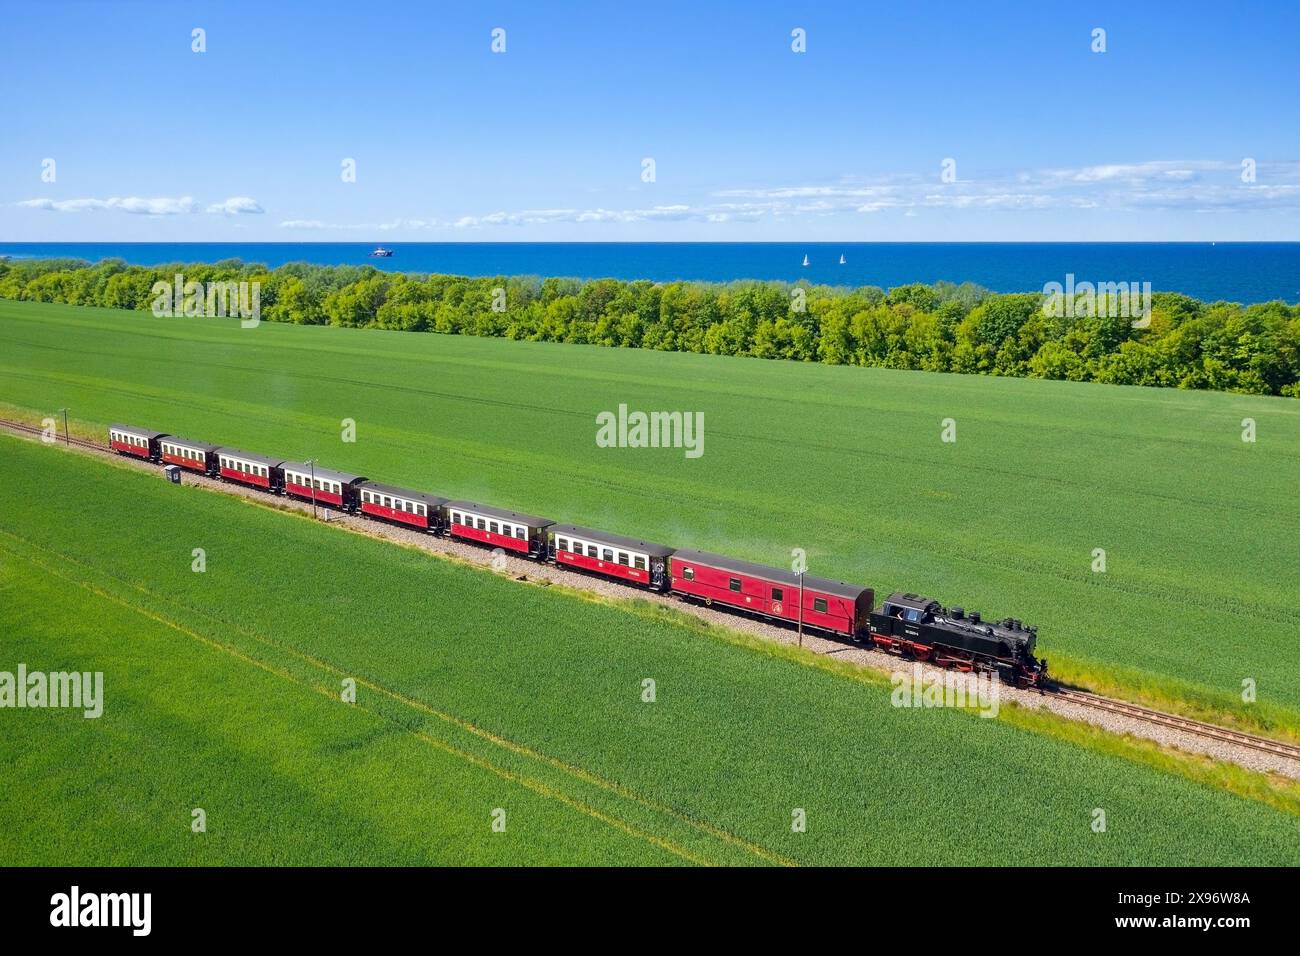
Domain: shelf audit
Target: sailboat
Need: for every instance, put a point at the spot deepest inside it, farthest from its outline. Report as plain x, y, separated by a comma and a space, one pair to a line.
841, 258
805, 259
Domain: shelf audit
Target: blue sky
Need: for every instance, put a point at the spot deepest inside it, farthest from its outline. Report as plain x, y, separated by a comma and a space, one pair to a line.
750, 140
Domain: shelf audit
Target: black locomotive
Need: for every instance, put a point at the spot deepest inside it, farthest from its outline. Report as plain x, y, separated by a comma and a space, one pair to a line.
916, 626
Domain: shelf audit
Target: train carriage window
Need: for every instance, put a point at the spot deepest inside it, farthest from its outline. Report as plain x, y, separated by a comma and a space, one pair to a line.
592, 551
482, 524
778, 594
622, 558
639, 562
521, 533
607, 555
819, 605
562, 544
688, 574
734, 584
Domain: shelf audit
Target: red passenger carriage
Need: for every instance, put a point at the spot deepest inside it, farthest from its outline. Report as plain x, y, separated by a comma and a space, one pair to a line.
339, 489
402, 506
524, 534
612, 555
139, 442
248, 468
193, 455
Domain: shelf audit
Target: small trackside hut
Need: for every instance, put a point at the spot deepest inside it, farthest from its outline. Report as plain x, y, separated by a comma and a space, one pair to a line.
524, 534
402, 506
192, 455
339, 489
139, 442
248, 468
613, 555
828, 605
914, 626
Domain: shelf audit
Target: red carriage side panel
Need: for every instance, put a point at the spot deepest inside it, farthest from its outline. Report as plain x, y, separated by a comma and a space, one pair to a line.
772, 592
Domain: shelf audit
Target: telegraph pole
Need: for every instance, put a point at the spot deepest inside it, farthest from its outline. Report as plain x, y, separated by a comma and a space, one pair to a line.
66, 440
312, 462
801, 609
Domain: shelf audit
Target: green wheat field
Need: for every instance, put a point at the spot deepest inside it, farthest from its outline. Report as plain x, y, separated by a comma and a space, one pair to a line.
1199, 527
480, 699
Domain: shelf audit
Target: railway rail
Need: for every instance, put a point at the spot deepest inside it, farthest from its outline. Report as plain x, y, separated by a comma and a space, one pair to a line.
1097, 702
1198, 727
65, 439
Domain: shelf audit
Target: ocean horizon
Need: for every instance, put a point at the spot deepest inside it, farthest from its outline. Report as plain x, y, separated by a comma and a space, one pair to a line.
1235, 271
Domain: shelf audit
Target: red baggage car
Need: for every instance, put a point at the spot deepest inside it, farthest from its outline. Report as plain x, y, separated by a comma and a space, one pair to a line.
828, 605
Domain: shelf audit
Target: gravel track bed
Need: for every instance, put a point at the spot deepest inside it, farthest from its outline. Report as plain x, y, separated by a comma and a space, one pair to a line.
525, 570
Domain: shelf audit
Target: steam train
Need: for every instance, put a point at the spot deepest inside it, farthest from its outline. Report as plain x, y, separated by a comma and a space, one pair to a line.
908, 625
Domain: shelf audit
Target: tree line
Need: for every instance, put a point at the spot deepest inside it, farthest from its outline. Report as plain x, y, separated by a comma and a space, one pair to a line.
944, 327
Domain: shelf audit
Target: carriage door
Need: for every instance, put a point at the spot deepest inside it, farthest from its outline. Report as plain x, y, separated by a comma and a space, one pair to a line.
658, 567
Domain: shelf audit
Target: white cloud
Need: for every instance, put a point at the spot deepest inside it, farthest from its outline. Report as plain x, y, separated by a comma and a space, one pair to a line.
137, 206
1094, 190
237, 205
160, 206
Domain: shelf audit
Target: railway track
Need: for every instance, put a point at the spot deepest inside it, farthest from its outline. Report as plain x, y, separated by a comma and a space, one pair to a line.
1122, 708
1198, 727
33, 430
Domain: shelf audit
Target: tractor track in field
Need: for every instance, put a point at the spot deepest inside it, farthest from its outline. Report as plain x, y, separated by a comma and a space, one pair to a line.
1251, 751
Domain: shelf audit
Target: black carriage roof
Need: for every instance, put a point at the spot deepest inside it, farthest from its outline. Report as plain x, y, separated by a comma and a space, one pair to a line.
533, 521
631, 544
342, 477
202, 445
914, 601
138, 432
249, 456
780, 575
395, 491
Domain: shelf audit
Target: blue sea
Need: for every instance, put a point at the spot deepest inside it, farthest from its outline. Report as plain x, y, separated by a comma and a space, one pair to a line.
1235, 271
